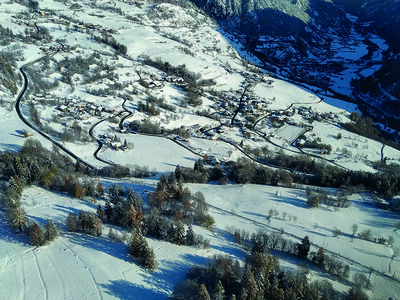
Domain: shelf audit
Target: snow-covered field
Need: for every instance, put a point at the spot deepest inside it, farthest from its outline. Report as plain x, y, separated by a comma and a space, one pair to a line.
252, 203
157, 153
77, 266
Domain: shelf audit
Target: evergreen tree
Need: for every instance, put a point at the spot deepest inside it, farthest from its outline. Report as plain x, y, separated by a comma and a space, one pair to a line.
36, 235
276, 293
99, 189
198, 166
35, 171
319, 258
140, 250
115, 195
148, 259
109, 211
17, 218
179, 232
72, 222
133, 214
131, 196
190, 237
134, 241
14, 187
275, 178
51, 231
82, 219
97, 226
178, 173
219, 292
119, 214
139, 217
243, 294
250, 284
304, 248
101, 213
171, 232
203, 293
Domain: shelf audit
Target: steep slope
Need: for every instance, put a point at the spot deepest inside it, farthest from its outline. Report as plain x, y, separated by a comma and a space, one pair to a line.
381, 89
331, 44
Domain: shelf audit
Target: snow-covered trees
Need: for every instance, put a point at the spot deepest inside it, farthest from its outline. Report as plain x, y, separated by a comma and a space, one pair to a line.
17, 218
72, 222
203, 293
36, 235
140, 250
120, 211
219, 292
86, 222
51, 231
171, 198
304, 248
319, 257
190, 237
260, 278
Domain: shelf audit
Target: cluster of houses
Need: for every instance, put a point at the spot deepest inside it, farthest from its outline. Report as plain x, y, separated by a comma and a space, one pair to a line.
82, 27
76, 108
230, 102
113, 142
156, 81
43, 97
35, 16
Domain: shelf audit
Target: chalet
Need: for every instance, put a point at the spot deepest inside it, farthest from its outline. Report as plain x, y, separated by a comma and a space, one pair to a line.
62, 108
214, 137
116, 145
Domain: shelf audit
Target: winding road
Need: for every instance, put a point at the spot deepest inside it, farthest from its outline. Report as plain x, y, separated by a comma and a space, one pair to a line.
30, 125
130, 113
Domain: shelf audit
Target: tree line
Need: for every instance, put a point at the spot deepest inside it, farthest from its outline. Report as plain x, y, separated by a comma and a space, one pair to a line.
262, 277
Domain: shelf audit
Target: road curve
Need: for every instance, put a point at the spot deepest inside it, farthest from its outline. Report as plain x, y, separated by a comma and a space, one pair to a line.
30, 125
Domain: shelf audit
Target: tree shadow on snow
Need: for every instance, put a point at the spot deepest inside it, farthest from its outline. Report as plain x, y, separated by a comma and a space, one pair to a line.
291, 200
7, 234
172, 272
255, 214
100, 243
11, 147
122, 289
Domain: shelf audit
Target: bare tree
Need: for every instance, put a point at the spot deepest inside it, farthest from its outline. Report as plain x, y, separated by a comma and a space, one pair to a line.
354, 229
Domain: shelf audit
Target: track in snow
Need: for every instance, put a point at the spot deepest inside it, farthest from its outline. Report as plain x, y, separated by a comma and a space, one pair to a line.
86, 267
40, 274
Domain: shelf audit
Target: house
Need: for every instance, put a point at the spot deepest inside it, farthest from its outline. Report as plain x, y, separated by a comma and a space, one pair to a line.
116, 145
214, 137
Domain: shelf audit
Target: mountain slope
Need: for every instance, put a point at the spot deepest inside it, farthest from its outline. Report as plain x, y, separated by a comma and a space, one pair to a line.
330, 44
